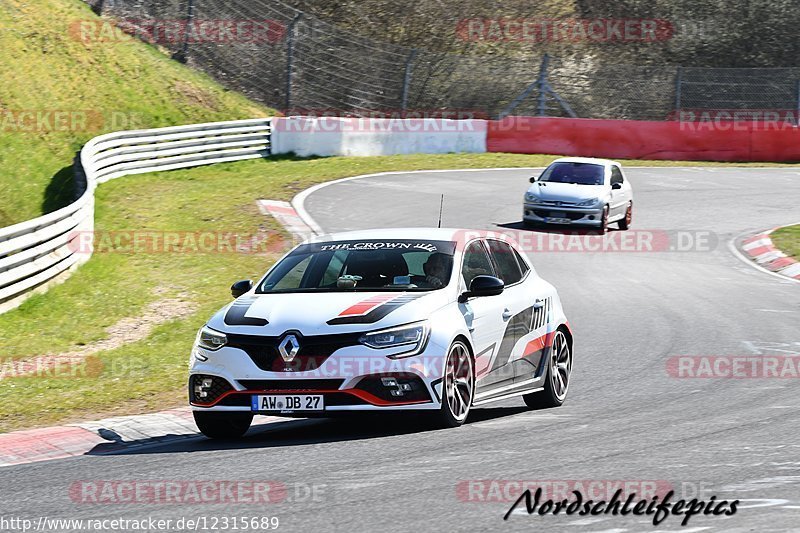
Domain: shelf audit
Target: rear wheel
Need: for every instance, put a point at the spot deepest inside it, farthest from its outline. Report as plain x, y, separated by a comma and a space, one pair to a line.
459, 387
625, 223
222, 425
558, 374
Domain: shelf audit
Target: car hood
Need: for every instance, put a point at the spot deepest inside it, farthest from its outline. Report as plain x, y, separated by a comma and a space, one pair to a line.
325, 313
567, 192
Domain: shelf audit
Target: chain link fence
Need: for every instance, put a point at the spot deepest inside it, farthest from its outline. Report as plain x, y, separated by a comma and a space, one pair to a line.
297, 63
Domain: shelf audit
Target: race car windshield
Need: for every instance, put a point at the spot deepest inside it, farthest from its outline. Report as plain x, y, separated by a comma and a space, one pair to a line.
580, 173
367, 265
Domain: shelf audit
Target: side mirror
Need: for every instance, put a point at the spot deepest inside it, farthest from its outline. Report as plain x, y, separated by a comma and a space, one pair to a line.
616, 186
534, 179
483, 286
241, 287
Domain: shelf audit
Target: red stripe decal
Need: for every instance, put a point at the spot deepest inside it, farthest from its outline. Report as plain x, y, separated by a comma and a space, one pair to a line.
365, 306
537, 344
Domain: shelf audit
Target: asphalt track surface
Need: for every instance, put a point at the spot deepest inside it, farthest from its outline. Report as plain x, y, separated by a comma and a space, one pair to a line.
626, 417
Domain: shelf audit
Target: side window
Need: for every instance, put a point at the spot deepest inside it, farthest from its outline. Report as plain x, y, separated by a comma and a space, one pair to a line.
476, 263
522, 263
506, 263
616, 175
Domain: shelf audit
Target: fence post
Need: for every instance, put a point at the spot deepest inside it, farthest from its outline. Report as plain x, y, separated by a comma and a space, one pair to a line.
407, 81
182, 54
678, 88
542, 84
797, 109
291, 35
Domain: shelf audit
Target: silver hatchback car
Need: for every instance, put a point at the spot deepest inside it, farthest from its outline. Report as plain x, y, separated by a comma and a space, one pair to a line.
580, 191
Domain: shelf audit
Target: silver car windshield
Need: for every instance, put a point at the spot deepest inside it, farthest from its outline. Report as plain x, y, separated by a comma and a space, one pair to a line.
367, 265
580, 173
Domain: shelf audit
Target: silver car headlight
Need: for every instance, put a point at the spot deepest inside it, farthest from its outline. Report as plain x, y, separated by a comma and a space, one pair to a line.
532, 198
588, 203
413, 336
210, 339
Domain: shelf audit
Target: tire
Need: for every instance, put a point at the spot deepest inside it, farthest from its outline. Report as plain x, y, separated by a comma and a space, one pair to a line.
603, 229
458, 387
559, 363
222, 425
625, 222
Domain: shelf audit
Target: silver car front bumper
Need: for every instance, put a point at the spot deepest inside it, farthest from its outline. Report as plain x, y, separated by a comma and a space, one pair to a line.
550, 214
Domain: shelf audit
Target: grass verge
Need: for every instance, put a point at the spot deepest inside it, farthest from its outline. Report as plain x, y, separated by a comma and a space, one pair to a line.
787, 240
58, 91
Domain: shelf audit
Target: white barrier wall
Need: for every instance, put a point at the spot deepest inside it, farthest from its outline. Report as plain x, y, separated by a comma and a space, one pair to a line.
329, 136
35, 253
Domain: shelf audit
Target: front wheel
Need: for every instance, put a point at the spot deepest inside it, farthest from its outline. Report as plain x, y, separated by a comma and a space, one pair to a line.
459, 387
603, 229
222, 425
559, 368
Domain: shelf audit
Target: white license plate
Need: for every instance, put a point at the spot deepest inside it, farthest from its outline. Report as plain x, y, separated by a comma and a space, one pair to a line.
288, 402
558, 220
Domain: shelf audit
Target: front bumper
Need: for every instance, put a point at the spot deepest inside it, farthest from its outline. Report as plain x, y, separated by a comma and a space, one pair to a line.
349, 379
550, 214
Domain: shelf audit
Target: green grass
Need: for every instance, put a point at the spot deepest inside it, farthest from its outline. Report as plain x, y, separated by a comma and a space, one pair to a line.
788, 240
125, 85
150, 374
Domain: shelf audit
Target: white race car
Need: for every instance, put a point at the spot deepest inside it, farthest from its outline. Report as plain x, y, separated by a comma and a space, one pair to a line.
582, 191
431, 320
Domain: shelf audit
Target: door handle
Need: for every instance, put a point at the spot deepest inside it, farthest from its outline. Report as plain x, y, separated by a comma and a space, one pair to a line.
538, 304
507, 314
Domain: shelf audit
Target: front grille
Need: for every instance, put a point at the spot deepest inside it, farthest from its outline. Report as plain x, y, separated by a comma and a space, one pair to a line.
375, 385
314, 350
546, 213
559, 204
309, 385
219, 386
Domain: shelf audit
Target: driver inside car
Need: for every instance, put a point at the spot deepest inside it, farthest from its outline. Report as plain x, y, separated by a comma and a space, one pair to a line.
437, 270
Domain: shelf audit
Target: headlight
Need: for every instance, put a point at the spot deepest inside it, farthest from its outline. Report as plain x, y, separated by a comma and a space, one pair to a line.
414, 336
588, 203
532, 198
209, 339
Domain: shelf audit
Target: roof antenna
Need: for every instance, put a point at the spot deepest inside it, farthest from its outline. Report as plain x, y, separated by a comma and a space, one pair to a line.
441, 204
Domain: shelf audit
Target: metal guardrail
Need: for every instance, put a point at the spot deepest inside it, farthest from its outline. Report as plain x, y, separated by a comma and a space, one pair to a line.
44, 249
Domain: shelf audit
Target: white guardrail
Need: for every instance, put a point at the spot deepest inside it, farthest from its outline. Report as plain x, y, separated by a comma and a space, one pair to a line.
43, 250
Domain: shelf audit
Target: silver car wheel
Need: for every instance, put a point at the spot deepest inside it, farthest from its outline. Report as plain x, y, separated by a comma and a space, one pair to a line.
459, 381
560, 365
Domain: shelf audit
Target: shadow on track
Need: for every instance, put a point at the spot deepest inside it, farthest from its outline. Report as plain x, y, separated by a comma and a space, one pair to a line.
564, 229
301, 432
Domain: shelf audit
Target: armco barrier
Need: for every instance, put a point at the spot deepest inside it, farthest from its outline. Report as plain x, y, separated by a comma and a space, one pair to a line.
631, 139
327, 136
40, 251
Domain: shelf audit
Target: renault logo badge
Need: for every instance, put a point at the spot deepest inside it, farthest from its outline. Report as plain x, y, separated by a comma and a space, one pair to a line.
288, 348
